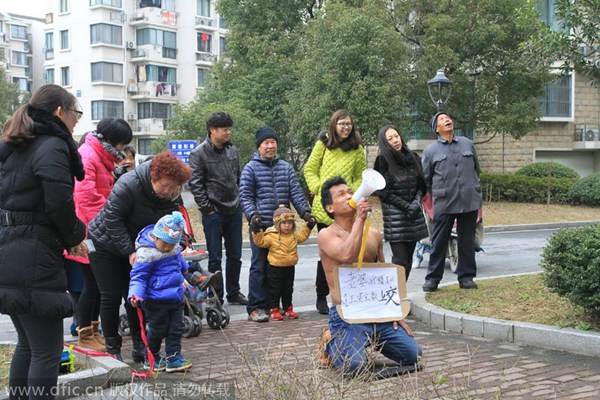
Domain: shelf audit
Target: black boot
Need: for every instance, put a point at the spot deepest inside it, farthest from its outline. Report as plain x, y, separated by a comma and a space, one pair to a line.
139, 349
113, 346
407, 268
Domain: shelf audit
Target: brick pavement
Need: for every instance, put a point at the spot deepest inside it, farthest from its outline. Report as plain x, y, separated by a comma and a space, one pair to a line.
275, 360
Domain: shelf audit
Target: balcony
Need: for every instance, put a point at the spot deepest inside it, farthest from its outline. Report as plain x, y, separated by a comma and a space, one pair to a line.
153, 16
206, 23
204, 58
153, 90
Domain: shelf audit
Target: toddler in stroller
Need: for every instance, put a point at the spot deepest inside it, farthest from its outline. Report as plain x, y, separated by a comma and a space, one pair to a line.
424, 245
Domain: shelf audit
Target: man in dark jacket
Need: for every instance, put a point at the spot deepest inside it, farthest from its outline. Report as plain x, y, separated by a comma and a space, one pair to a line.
214, 183
451, 172
267, 182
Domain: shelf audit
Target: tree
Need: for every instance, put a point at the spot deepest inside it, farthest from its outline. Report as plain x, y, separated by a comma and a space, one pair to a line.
9, 101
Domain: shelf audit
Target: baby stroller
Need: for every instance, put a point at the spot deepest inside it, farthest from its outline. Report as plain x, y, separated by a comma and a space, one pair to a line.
424, 245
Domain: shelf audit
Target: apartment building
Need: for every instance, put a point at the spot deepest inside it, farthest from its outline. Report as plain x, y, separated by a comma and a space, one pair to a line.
131, 59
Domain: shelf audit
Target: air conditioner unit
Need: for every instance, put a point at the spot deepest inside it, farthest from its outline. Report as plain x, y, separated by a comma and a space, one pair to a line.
591, 135
132, 88
138, 53
130, 45
131, 117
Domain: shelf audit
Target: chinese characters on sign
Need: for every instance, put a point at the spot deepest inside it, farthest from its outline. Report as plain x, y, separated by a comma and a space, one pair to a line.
373, 293
182, 149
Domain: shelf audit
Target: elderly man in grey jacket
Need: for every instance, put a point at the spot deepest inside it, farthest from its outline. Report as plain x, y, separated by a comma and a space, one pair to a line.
451, 171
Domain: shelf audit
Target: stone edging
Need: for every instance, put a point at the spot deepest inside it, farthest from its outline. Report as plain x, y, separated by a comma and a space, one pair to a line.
521, 333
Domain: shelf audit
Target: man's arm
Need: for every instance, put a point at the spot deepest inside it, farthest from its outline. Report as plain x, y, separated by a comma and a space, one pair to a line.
198, 181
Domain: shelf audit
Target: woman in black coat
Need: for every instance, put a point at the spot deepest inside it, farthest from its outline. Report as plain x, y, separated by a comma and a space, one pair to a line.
140, 198
403, 221
38, 164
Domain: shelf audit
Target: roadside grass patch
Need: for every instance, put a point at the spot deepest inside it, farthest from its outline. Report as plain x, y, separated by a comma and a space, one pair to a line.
522, 298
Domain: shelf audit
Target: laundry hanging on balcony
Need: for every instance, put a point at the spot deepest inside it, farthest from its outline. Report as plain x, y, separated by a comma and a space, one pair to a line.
166, 89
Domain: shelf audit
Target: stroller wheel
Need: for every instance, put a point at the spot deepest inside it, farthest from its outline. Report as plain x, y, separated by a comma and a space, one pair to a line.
123, 327
188, 327
225, 316
197, 325
214, 319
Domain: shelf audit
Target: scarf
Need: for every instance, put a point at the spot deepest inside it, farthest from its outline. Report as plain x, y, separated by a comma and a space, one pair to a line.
119, 155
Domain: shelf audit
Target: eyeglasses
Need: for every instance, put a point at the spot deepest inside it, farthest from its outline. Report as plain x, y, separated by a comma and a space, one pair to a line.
79, 113
345, 124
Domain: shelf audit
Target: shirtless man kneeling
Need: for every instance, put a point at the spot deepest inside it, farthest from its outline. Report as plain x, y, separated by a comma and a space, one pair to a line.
340, 244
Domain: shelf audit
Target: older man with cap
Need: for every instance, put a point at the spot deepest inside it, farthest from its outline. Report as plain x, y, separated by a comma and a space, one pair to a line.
266, 183
451, 172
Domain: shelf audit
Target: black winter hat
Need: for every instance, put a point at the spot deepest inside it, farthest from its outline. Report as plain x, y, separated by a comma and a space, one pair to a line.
434, 119
265, 133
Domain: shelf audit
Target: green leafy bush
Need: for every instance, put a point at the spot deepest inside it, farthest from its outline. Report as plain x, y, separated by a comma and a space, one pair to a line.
525, 189
548, 169
571, 263
586, 191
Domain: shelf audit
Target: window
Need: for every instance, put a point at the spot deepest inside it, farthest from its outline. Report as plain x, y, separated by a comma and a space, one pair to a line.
145, 146
107, 72
111, 3
18, 58
161, 74
154, 110
168, 5
222, 45
65, 76
107, 34
64, 6
202, 77
18, 32
547, 10
64, 40
105, 108
556, 103
222, 23
203, 8
166, 39
49, 45
49, 75
204, 42
22, 84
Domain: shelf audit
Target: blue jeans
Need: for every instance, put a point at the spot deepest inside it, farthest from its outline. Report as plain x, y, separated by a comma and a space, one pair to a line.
350, 341
219, 227
258, 289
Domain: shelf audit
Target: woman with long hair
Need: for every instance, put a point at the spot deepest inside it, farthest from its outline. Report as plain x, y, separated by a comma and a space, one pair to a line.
403, 221
338, 151
38, 164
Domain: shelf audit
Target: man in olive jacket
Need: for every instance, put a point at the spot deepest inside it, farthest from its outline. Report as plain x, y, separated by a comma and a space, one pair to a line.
451, 172
215, 183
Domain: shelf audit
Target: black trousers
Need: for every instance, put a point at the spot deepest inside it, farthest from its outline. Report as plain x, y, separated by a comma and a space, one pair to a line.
36, 359
281, 286
321, 283
402, 253
89, 300
112, 275
442, 228
165, 321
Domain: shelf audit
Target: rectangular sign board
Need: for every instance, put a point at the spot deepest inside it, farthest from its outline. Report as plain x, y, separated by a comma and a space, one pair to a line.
182, 149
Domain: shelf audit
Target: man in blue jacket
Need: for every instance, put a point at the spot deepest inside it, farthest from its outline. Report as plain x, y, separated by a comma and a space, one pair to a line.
451, 172
266, 182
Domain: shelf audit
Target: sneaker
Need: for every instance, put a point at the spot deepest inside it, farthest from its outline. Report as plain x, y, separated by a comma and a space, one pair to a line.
290, 313
322, 306
275, 315
430, 286
159, 365
258, 316
178, 363
238, 299
467, 284
323, 357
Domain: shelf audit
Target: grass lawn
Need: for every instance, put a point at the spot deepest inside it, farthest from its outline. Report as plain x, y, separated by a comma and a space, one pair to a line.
521, 298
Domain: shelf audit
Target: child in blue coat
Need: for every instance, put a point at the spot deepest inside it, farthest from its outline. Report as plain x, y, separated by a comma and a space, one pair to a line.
157, 286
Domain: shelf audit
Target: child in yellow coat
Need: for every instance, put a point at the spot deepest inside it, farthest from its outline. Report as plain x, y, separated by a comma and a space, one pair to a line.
282, 241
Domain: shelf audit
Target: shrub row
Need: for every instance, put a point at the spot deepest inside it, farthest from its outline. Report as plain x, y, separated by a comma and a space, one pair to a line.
525, 189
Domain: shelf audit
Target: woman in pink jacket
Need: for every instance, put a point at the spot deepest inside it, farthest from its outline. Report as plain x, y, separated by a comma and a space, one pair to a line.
100, 151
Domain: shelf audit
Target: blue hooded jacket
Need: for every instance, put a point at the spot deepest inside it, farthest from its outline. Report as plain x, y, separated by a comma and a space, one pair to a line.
156, 276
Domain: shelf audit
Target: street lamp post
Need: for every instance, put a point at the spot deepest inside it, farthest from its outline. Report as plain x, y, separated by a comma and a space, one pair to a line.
442, 85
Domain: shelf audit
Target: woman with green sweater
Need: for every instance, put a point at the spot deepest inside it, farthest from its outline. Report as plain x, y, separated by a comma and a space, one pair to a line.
338, 151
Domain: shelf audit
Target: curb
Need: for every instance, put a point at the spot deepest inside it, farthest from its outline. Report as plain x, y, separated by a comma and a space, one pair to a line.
522, 333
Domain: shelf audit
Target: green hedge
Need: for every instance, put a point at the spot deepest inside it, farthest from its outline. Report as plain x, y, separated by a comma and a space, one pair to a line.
571, 263
586, 191
548, 169
525, 189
